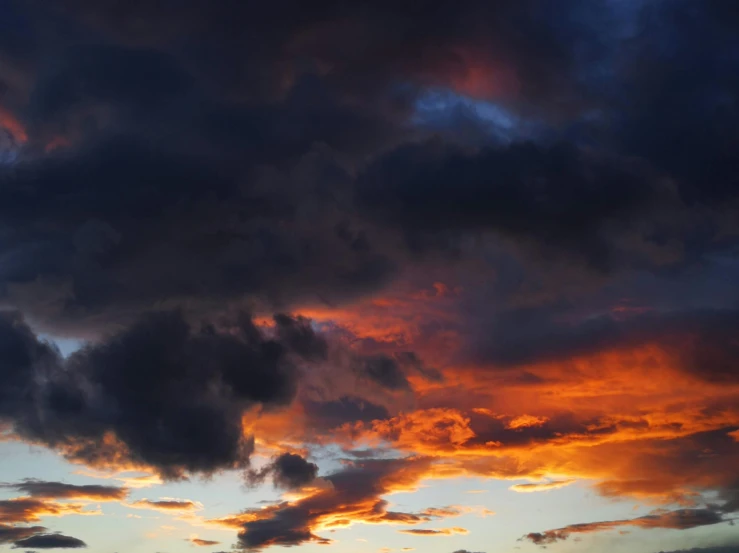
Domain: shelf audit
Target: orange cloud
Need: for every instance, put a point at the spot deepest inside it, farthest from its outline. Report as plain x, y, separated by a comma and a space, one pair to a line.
354, 495
541, 487
56, 143
167, 505
26, 509
202, 543
9, 122
526, 421
439, 532
475, 74
128, 480
666, 439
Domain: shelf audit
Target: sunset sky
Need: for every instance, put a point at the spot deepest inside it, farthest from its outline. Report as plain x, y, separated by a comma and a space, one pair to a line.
443, 276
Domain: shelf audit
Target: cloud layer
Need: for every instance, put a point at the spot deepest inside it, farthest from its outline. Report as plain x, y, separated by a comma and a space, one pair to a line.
407, 243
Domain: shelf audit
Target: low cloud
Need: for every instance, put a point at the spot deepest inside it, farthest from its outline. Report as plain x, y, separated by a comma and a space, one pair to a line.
59, 490
10, 534
179, 392
676, 520
166, 505
201, 542
350, 496
288, 470
437, 532
541, 487
50, 541
25, 509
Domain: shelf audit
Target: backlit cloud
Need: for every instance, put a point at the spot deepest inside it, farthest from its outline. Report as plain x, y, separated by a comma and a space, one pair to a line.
60, 490
676, 520
166, 505
541, 487
434, 532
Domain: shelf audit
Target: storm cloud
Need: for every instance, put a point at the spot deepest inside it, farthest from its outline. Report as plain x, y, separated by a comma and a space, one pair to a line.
50, 541
173, 396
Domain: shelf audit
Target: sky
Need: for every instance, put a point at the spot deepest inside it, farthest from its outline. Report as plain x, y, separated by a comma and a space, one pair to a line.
369, 276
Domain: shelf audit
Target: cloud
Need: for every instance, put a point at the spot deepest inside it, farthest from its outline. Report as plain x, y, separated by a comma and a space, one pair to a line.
166, 505
26, 509
334, 413
10, 534
436, 532
289, 471
203, 543
384, 371
700, 341
50, 541
716, 549
557, 194
60, 490
677, 520
501, 263
541, 487
202, 379
350, 496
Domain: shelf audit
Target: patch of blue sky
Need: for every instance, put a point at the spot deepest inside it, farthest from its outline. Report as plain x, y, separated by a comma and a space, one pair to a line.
441, 109
67, 346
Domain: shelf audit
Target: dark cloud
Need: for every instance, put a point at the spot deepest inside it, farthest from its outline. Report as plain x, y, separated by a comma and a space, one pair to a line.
432, 532
232, 172
27, 509
677, 520
180, 155
50, 541
413, 364
331, 414
354, 40
172, 224
716, 549
702, 342
383, 370
60, 490
203, 543
289, 471
554, 195
171, 394
354, 492
166, 505
181, 214
298, 335
668, 76
10, 534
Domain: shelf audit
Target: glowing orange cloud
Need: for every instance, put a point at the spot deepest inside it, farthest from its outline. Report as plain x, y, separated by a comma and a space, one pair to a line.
166, 505
202, 543
439, 532
26, 509
352, 496
526, 421
475, 74
9, 122
545, 486
56, 143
